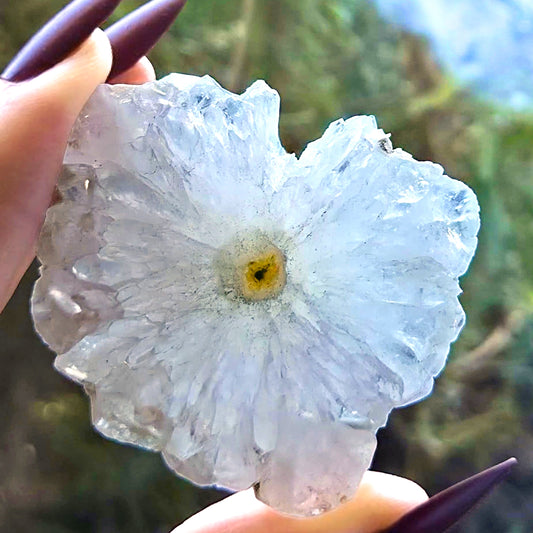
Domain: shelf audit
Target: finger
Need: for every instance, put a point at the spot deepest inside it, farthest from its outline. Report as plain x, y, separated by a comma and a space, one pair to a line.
140, 73
380, 500
60, 36
36, 118
67, 86
133, 36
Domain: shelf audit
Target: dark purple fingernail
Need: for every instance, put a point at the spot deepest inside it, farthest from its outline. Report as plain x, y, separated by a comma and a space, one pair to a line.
58, 38
136, 34
445, 508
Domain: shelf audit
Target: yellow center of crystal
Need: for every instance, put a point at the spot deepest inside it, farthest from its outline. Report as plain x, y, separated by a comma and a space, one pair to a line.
263, 275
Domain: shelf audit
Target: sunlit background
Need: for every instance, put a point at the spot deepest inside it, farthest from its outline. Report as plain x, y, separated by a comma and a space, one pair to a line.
452, 80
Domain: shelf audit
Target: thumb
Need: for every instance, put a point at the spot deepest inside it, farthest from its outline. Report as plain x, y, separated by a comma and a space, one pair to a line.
379, 502
36, 118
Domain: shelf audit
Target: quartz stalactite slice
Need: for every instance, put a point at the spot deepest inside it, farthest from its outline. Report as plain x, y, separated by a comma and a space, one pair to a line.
251, 315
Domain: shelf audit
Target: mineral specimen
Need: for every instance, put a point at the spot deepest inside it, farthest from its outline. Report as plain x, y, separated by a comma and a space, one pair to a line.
251, 315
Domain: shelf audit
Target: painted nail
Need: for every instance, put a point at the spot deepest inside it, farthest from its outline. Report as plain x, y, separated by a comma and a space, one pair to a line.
136, 34
58, 38
444, 509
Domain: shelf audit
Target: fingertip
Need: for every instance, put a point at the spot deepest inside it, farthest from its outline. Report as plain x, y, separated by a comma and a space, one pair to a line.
239, 513
401, 494
94, 55
142, 72
380, 500
72, 81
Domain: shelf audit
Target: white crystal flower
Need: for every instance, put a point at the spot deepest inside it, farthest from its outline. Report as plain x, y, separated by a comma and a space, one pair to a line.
251, 315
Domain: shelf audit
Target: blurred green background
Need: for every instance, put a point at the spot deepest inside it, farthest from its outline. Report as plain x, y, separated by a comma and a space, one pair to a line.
327, 58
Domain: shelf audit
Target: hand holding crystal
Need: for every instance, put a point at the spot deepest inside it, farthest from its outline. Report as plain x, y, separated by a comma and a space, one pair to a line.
36, 117
39, 114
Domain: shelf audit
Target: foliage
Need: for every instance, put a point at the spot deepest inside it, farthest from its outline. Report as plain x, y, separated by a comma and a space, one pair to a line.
327, 58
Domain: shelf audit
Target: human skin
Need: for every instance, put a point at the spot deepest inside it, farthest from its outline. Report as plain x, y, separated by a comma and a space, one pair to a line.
379, 502
36, 117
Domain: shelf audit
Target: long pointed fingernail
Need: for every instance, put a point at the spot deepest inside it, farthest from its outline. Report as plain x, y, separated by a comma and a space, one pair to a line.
444, 509
58, 38
136, 34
